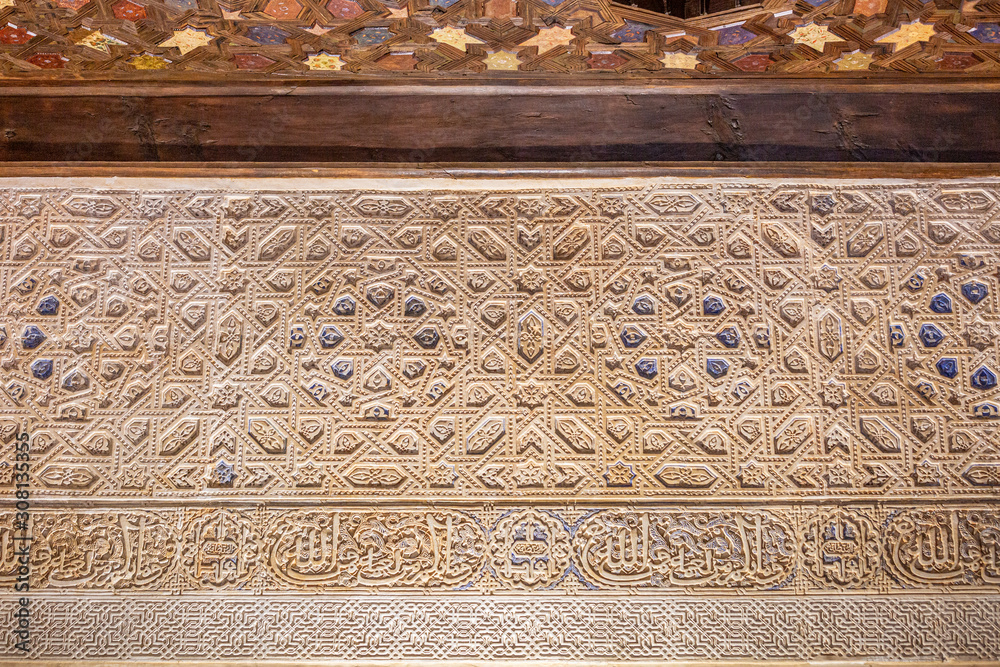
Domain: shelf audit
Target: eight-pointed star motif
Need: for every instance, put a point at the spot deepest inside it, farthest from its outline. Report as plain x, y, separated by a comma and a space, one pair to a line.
530, 280
325, 61
753, 474
856, 60
98, 41
379, 336
134, 476
456, 37
549, 38
680, 61
530, 395
834, 394
813, 35
310, 474
927, 473
188, 40
908, 33
226, 398
80, 338
619, 474
502, 60
839, 474
529, 473
146, 61
223, 473
442, 475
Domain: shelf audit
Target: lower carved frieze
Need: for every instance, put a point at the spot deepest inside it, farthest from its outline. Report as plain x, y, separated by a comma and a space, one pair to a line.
539, 627
786, 550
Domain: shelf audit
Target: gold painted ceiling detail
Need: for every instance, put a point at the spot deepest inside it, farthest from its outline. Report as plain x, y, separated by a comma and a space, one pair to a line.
157, 39
746, 392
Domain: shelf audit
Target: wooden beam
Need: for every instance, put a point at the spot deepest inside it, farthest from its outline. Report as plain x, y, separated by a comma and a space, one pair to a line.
930, 120
943, 171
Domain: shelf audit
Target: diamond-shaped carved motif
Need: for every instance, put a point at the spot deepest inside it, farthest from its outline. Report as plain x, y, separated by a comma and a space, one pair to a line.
645, 392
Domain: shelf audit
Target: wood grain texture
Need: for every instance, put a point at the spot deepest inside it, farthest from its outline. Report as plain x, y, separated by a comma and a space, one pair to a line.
473, 171
694, 121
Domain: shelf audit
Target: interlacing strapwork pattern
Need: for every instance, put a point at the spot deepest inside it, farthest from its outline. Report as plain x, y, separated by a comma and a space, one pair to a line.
714, 341
476, 392
500, 628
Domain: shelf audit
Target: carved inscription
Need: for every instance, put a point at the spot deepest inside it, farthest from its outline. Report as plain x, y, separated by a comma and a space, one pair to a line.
778, 550
686, 549
735, 396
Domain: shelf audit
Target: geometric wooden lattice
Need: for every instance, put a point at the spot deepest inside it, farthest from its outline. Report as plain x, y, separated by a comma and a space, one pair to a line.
165, 39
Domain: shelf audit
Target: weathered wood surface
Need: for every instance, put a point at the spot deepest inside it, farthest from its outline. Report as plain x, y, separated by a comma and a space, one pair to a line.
358, 121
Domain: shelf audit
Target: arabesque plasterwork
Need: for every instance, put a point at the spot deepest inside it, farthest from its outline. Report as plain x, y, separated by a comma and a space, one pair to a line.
547, 396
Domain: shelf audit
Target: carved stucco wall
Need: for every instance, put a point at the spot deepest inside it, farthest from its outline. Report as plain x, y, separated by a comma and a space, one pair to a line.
619, 419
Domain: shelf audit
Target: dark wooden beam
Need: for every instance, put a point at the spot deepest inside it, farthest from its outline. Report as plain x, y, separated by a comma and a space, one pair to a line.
907, 120
942, 171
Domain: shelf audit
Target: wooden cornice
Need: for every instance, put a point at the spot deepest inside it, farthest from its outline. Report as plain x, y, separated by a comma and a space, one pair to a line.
511, 121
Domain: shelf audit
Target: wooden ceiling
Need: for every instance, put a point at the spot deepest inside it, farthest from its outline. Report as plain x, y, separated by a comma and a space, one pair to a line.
494, 39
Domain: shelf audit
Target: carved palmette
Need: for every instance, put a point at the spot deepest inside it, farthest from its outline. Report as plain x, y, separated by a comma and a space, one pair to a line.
680, 549
374, 548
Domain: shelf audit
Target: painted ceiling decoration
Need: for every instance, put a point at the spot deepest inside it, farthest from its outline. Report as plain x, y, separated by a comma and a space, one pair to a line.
157, 39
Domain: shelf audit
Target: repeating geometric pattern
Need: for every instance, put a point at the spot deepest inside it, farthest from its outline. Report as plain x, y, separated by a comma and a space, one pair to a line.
711, 419
161, 38
649, 341
467, 628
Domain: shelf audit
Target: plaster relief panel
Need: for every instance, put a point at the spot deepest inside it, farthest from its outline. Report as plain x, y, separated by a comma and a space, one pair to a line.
533, 399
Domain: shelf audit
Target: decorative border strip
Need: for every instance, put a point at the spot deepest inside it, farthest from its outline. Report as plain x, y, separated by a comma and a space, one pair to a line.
727, 550
489, 628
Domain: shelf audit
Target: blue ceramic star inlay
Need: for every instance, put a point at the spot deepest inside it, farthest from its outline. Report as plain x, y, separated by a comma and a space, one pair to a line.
713, 305
41, 368
941, 303
646, 368
974, 291
983, 378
